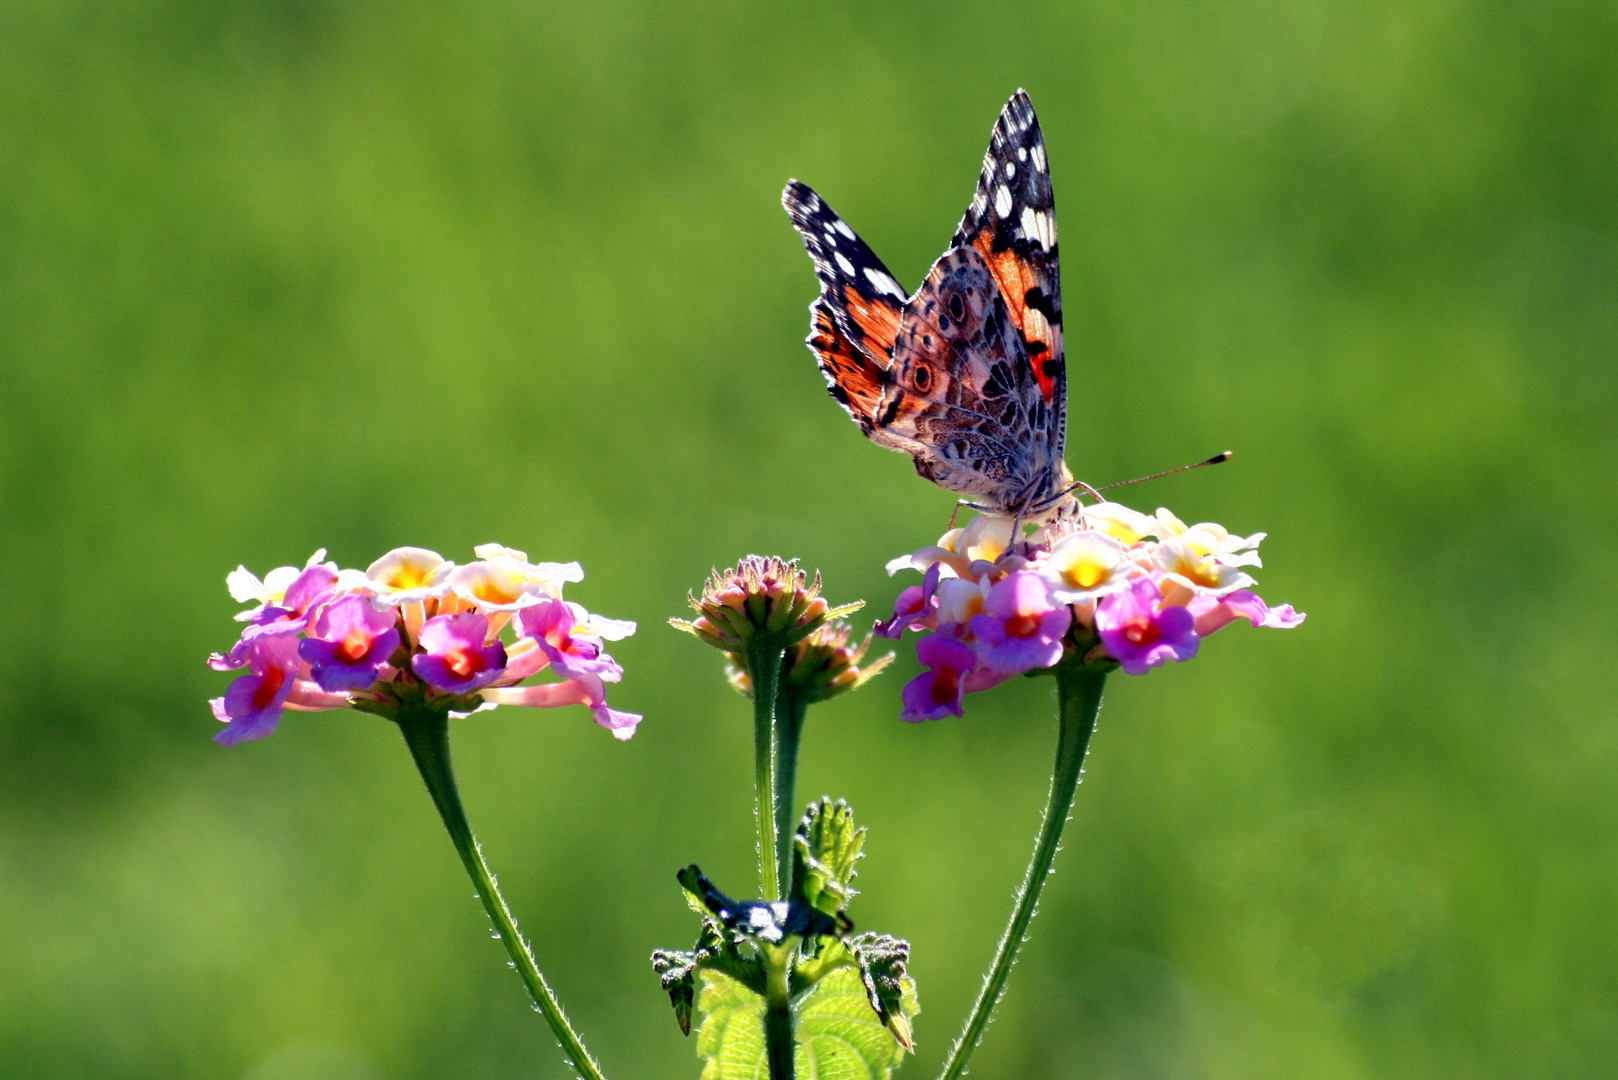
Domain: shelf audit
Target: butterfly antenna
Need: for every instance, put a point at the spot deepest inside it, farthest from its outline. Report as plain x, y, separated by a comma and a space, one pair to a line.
1215, 460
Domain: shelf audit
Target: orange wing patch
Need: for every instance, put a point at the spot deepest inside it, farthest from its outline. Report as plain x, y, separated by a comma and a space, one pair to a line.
874, 318
854, 379
1024, 288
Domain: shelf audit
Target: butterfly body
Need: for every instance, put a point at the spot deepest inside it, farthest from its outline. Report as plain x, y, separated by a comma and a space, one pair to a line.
967, 375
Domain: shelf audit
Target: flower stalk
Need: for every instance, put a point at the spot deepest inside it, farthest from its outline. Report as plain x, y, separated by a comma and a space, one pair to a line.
426, 732
779, 1041
791, 710
764, 653
1078, 694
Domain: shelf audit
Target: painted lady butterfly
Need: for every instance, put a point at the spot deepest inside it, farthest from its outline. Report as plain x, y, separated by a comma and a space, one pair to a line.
967, 375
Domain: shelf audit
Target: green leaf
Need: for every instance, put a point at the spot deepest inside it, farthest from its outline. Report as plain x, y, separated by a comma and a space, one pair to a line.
839, 1036
889, 989
827, 846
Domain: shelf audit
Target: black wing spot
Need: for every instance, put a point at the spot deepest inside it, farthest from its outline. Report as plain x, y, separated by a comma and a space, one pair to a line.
999, 383
890, 413
957, 307
1036, 299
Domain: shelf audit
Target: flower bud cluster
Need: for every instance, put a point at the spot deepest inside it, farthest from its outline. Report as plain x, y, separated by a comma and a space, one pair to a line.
414, 628
821, 666
759, 596
1114, 586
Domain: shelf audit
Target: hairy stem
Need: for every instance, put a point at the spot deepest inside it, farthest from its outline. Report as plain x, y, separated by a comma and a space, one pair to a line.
1078, 693
426, 732
778, 1037
763, 659
791, 708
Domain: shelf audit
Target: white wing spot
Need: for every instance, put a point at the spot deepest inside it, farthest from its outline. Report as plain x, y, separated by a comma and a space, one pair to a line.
1037, 225
1022, 153
1039, 158
1002, 200
831, 238
848, 267
844, 229
1011, 169
883, 283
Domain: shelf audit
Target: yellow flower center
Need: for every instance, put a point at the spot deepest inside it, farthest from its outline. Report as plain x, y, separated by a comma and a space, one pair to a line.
1085, 573
409, 576
491, 593
1120, 532
1204, 572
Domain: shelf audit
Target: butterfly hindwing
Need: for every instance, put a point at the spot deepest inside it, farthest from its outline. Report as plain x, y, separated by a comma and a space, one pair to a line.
1012, 223
963, 400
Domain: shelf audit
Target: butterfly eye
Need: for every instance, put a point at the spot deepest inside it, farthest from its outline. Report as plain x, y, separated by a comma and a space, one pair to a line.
922, 378
957, 307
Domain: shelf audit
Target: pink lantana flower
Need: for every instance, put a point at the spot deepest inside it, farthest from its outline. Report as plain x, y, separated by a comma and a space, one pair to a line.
1020, 629
252, 707
555, 628
244, 585
351, 641
457, 656
916, 608
1105, 586
936, 693
305, 593
357, 630
1214, 614
1140, 632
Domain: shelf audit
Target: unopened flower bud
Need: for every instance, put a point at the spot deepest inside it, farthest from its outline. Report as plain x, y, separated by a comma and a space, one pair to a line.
759, 595
824, 664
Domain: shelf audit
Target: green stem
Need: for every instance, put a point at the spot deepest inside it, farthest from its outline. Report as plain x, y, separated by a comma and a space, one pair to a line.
1078, 694
763, 658
778, 1038
790, 710
426, 732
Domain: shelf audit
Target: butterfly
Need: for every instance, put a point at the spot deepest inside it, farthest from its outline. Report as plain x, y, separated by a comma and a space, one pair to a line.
967, 375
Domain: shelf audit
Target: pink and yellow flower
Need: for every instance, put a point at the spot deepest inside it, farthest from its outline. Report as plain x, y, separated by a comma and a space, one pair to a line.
413, 628
1111, 586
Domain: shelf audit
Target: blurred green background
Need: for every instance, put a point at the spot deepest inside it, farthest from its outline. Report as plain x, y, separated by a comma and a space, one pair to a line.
282, 274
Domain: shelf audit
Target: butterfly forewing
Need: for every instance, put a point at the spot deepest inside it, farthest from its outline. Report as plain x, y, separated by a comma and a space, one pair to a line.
855, 380
1012, 223
862, 296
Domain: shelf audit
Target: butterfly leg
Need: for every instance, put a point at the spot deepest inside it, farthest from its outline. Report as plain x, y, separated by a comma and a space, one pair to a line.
959, 503
1016, 525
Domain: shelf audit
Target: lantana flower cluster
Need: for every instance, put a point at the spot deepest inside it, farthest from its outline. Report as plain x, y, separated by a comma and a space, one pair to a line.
415, 629
1114, 585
